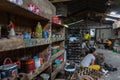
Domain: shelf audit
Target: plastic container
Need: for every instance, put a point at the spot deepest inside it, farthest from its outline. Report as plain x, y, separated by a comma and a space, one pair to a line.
37, 61
45, 76
41, 61
8, 70
45, 34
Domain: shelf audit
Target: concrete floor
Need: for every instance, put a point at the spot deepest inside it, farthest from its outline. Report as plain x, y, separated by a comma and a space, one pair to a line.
114, 59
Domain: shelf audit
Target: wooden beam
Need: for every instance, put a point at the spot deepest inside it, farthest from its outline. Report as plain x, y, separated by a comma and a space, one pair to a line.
56, 1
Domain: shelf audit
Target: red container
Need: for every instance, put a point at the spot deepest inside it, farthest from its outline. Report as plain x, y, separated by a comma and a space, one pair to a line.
27, 66
55, 19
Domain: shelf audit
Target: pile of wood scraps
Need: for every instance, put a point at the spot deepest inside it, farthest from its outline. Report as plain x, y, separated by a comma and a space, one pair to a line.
86, 74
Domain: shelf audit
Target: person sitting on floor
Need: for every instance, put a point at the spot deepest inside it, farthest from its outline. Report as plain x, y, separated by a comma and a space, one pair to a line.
89, 60
108, 44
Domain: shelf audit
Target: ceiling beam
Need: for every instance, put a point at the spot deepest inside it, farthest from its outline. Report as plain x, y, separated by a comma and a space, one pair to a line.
57, 1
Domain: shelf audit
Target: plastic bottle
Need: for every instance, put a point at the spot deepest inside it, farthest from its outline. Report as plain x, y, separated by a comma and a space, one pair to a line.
12, 31
37, 61
38, 31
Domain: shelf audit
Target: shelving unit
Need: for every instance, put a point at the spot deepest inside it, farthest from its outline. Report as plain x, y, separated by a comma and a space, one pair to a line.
54, 73
39, 70
15, 9
41, 46
58, 39
74, 51
73, 48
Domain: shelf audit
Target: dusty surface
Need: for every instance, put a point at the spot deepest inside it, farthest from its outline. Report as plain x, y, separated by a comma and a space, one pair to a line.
114, 59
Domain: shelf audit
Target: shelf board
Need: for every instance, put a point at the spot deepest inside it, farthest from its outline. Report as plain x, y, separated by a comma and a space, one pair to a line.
15, 9
57, 54
18, 43
11, 44
54, 73
9, 78
39, 70
57, 39
57, 25
36, 42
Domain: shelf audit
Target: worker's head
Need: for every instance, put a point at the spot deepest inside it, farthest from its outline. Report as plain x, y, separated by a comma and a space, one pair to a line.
87, 32
93, 50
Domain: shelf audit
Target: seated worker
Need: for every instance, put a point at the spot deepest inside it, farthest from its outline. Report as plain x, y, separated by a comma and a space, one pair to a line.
89, 60
108, 44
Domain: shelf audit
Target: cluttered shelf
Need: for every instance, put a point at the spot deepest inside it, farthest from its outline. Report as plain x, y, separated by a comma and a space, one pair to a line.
17, 43
47, 64
57, 54
54, 73
13, 8
39, 70
34, 73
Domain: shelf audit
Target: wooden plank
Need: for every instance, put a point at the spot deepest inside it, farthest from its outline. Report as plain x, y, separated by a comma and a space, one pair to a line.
57, 25
56, 1
57, 39
57, 55
11, 44
9, 78
54, 73
39, 70
18, 43
36, 42
13, 8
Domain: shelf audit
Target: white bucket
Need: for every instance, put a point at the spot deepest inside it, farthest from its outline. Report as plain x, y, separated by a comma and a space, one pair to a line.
45, 76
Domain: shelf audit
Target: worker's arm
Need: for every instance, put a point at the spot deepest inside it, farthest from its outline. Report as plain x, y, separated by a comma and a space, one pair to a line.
92, 62
86, 48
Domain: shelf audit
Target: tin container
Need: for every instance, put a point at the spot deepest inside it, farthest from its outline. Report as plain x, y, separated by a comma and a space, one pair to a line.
8, 70
27, 65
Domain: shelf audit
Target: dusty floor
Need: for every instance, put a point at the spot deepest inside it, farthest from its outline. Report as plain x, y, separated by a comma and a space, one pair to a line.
114, 59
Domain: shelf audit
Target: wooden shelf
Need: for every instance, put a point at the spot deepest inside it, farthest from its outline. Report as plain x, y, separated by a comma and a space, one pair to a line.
54, 73
36, 42
39, 70
57, 54
9, 78
57, 25
15, 9
17, 43
11, 44
57, 39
